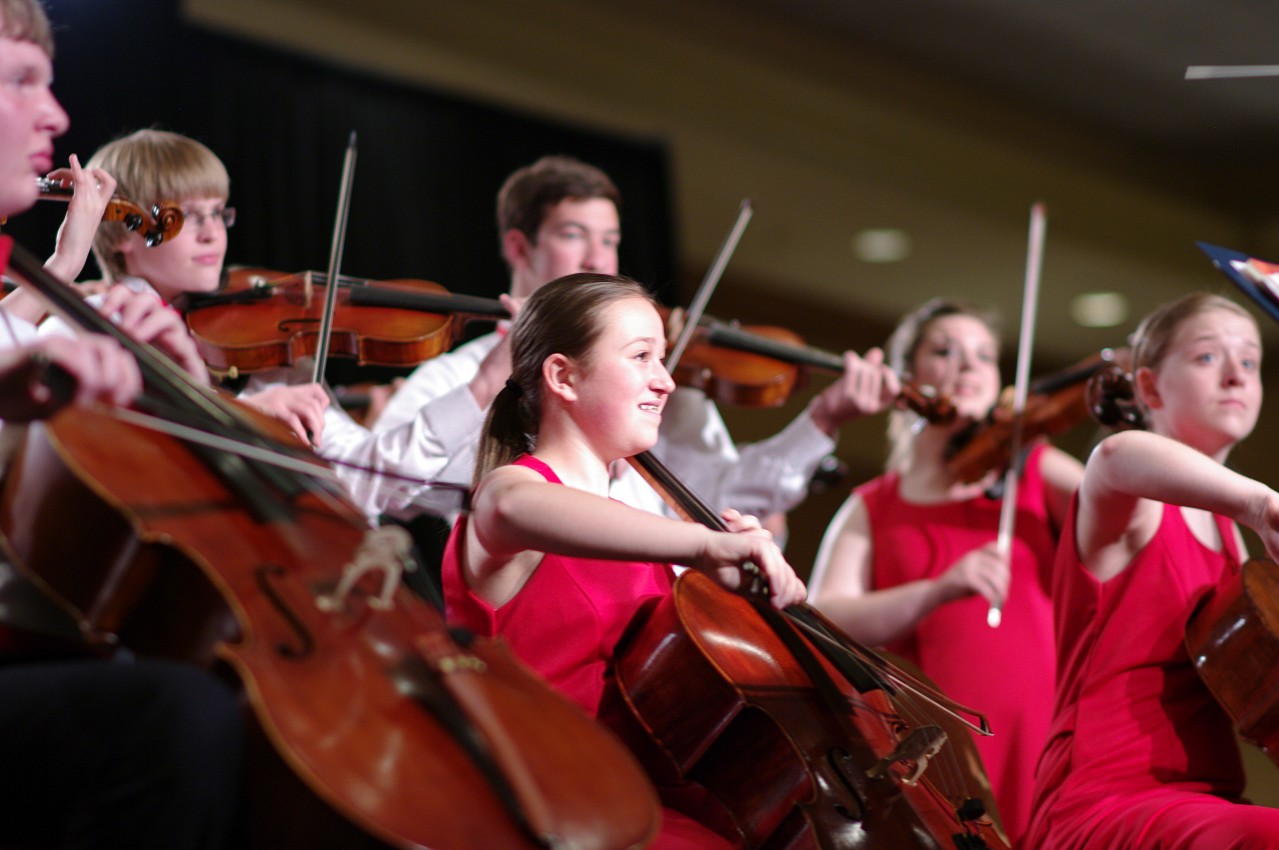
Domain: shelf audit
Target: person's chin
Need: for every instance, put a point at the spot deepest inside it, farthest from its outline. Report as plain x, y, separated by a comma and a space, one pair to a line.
16, 202
205, 282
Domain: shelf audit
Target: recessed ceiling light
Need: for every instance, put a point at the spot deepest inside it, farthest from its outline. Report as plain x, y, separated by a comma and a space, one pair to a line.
1099, 309
881, 245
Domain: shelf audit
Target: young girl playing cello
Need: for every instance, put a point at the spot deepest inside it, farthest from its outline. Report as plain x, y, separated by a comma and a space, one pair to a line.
545, 558
1140, 755
910, 560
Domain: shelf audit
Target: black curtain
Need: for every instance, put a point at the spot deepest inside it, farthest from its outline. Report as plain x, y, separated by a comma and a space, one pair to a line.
428, 168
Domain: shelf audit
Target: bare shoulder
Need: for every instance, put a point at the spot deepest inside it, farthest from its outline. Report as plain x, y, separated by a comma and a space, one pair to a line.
843, 560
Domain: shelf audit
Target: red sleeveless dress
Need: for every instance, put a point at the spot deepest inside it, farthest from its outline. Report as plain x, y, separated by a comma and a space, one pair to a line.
1140, 755
565, 623
1006, 673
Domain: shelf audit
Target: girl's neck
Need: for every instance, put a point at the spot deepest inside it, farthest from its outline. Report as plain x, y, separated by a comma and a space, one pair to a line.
1218, 451
575, 464
925, 477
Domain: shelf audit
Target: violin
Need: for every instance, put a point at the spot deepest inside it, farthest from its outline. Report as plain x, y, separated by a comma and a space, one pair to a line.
163, 221
760, 365
1054, 404
265, 320
778, 730
236, 549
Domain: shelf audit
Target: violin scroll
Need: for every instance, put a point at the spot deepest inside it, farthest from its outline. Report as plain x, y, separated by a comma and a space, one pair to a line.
164, 221
1112, 398
937, 409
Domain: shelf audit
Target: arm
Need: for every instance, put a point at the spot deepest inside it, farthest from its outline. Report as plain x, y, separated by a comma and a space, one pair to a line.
842, 582
482, 365
1131, 474
517, 514
1062, 476
762, 478
144, 318
93, 189
770, 476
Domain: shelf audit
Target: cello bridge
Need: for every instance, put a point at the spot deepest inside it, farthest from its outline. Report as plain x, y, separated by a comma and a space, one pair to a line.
386, 550
913, 752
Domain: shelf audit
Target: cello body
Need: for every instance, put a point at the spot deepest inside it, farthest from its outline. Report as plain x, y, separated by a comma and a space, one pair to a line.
774, 750
1233, 641
416, 736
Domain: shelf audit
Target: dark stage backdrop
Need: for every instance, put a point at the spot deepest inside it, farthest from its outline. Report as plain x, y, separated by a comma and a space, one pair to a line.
427, 173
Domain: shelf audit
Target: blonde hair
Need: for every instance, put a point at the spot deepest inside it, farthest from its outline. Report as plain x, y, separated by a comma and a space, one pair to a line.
562, 317
25, 20
152, 167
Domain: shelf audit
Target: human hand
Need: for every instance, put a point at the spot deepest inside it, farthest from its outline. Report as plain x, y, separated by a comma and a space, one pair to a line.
982, 571
92, 188
148, 320
38, 379
495, 368
868, 386
301, 407
747, 542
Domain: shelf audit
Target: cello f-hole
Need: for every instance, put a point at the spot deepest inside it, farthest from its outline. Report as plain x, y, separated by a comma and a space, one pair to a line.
841, 762
306, 644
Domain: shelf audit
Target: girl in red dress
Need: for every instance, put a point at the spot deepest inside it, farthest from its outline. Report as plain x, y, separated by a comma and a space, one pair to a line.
545, 558
910, 563
1140, 755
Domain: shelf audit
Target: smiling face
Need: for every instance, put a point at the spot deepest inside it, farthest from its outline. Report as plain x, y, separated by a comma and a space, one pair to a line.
958, 356
191, 261
1206, 391
30, 119
574, 236
623, 385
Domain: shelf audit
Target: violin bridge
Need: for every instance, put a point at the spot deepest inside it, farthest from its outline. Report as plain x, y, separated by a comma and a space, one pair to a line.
384, 550
913, 752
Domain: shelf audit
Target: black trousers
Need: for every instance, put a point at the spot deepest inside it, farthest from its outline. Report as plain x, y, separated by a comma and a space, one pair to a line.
118, 754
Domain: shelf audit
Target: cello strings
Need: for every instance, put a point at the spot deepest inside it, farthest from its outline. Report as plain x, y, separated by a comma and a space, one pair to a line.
289, 462
909, 703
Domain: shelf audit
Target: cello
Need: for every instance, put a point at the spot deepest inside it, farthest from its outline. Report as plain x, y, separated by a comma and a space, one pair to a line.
781, 732
240, 550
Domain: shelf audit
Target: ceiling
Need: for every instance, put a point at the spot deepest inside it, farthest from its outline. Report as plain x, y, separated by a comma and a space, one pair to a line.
1117, 66
946, 119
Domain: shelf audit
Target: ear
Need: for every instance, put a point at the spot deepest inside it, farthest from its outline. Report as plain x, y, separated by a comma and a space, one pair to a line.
515, 248
1147, 389
559, 377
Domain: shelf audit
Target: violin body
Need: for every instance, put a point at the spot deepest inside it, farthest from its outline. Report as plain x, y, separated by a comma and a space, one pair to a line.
380, 711
1233, 641
757, 745
276, 330
737, 376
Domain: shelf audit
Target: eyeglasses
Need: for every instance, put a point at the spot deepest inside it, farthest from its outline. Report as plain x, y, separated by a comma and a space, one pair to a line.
196, 218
